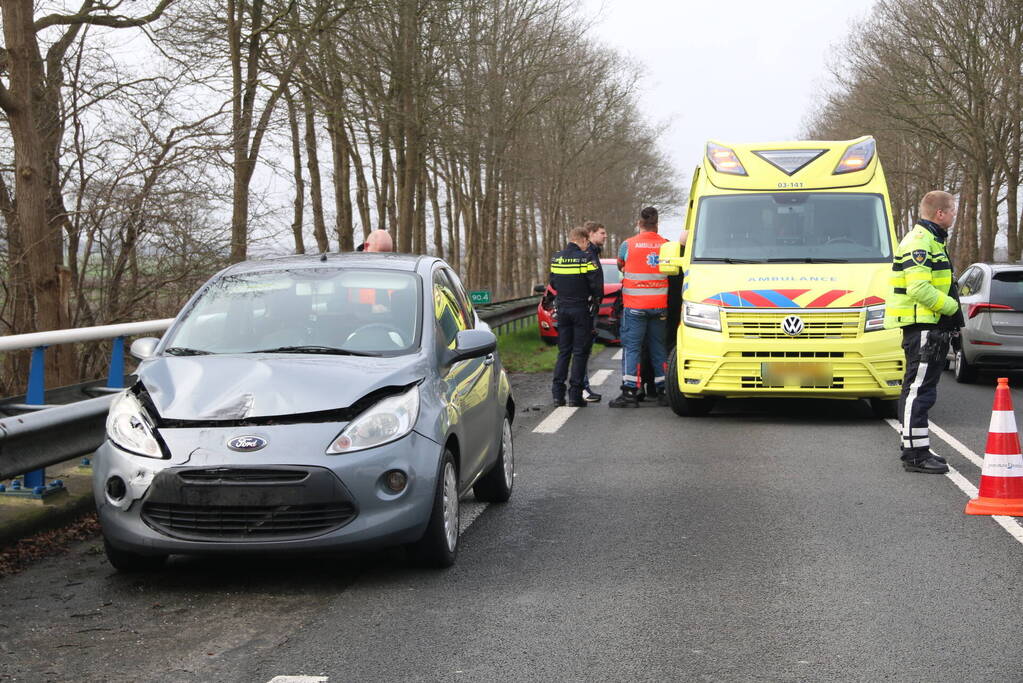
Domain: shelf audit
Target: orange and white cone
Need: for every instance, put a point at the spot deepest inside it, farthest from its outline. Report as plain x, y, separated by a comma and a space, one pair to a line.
1001, 481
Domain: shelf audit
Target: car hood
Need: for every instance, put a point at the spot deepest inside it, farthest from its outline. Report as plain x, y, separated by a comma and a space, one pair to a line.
787, 285
235, 387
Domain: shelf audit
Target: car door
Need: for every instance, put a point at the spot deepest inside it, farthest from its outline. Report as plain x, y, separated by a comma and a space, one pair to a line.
466, 381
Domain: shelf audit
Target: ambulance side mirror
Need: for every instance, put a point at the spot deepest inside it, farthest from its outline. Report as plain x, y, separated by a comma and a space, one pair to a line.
670, 258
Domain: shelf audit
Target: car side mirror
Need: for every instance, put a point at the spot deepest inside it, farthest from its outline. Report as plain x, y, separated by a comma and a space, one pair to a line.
471, 344
539, 289
144, 348
669, 258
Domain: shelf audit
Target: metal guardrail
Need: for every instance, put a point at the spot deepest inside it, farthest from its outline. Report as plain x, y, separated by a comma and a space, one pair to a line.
52, 434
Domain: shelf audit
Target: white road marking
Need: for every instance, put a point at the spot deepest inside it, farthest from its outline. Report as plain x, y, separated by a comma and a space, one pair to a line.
599, 377
553, 422
964, 485
299, 679
618, 355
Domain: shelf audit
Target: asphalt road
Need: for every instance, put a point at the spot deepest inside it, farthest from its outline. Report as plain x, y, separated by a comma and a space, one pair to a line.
773, 540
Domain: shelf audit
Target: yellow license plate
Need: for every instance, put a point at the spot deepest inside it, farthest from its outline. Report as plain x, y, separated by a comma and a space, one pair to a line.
796, 374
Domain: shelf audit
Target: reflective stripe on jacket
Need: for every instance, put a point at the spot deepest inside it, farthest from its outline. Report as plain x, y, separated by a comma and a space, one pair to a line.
920, 280
643, 285
577, 280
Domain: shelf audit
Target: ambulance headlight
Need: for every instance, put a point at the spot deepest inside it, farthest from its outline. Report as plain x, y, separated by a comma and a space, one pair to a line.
875, 318
704, 316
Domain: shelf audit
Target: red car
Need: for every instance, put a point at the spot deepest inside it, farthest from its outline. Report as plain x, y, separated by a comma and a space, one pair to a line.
610, 308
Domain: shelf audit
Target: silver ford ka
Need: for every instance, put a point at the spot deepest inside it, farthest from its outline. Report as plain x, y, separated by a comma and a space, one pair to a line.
308, 403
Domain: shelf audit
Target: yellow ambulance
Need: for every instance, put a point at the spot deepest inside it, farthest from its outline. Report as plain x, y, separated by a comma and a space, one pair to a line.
786, 267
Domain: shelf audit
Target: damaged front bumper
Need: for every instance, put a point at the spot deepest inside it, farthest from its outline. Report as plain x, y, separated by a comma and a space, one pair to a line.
288, 497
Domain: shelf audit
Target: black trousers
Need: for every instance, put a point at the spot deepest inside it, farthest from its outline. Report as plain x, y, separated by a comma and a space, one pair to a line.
575, 337
925, 347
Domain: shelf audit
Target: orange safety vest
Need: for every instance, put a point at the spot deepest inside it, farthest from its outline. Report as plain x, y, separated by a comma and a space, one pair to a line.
643, 285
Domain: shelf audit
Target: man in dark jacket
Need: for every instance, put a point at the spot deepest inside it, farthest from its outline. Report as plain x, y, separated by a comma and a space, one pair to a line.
579, 284
598, 235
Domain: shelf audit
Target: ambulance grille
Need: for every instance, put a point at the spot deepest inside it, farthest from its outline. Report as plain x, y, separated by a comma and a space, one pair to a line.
817, 324
849, 376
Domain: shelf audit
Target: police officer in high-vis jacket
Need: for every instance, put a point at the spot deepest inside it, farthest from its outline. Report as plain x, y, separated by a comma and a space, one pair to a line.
925, 305
579, 283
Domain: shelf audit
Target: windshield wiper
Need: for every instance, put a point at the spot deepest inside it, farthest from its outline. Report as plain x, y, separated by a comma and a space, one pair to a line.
329, 350
807, 259
182, 351
728, 260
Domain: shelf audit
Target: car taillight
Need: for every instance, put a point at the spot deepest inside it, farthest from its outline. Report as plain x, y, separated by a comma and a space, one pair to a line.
976, 309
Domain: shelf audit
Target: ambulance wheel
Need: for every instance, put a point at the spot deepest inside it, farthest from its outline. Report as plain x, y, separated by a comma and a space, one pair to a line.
885, 408
680, 405
965, 373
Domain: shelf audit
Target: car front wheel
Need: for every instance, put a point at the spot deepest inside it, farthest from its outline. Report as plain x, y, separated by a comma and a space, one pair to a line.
439, 545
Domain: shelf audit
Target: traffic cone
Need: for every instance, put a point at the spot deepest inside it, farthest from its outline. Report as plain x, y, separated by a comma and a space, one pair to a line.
1001, 480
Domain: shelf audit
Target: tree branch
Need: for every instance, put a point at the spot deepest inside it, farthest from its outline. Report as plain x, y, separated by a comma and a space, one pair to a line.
86, 16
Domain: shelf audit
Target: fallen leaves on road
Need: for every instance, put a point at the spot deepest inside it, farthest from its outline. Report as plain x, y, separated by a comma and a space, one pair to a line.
17, 556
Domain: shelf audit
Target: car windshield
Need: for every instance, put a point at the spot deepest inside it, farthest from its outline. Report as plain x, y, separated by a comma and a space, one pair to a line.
801, 227
1007, 288
321, 310
612, 275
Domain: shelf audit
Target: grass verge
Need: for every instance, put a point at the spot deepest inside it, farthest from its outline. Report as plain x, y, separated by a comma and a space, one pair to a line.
523, 351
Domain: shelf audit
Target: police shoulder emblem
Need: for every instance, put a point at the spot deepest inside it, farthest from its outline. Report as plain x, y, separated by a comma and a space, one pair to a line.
919, 255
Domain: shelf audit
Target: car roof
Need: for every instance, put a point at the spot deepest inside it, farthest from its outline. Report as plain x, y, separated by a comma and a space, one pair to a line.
376, 261
609, 261
997, 267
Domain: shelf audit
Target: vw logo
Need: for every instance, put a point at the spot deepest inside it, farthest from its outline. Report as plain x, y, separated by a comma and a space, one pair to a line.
792, 325
246, 443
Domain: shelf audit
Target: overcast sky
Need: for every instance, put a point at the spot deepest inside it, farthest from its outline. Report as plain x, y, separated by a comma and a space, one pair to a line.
732, 70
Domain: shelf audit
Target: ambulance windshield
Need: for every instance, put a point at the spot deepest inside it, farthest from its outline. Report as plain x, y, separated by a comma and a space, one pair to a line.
792, 227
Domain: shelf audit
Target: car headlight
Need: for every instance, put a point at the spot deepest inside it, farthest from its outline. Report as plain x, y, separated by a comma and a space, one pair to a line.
130, 428
388, 420
704, 316
875, 318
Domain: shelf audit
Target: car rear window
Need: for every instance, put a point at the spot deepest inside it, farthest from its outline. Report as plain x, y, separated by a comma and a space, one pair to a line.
1007, 288
612, 275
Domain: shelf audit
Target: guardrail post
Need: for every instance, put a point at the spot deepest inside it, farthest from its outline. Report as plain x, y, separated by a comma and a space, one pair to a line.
36, 395
115, 379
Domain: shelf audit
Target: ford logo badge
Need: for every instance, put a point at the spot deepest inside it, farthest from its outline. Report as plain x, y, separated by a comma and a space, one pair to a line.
246, 443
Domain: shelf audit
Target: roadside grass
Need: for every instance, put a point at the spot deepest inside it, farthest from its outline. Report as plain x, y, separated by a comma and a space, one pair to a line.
522, 351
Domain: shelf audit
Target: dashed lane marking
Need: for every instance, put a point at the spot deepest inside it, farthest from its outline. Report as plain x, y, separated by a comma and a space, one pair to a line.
964, 484
299, 679
618, 355
599, 377
553, 422
958, 445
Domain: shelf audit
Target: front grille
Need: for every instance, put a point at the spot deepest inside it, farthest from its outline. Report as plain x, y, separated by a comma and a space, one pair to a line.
226, 523
242, 476
744, 374
817, 324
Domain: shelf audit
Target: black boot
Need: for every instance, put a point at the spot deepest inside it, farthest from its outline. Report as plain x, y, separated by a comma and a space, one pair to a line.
626, 400
662, 397
925, 462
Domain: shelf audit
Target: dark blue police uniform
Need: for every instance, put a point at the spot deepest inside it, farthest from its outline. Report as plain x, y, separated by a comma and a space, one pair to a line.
579, 284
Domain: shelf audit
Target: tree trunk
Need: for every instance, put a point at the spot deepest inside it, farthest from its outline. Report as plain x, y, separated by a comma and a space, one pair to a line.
298, 213
315, 181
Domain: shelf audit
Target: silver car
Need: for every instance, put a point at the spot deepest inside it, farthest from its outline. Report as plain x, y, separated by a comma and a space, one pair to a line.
308, 404
992, 303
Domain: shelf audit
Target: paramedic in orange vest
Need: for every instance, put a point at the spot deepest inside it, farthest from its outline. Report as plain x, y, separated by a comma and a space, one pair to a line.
644, 309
